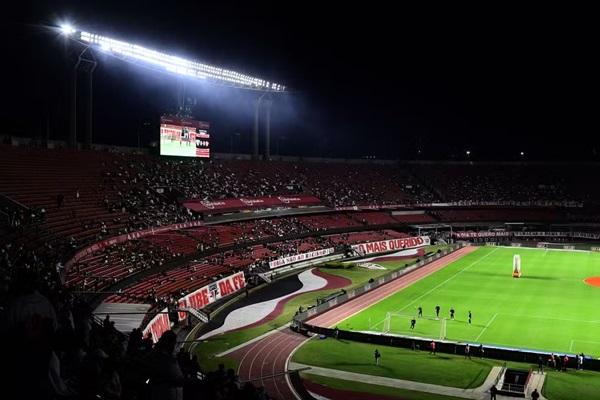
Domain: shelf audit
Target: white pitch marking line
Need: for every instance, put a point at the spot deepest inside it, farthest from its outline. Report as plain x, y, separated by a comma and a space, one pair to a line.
393, 293
571, 346
485, 327
443, 329
585, 341
447, 280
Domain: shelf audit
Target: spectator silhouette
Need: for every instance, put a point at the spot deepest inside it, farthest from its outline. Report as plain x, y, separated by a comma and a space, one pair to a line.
165, 377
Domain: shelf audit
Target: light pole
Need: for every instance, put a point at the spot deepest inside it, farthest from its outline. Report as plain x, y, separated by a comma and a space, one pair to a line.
279, 139
231, 141
256, 127
269, 101
89, 63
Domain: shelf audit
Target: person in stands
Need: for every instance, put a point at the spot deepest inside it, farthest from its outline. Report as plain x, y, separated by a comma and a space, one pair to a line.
164, 374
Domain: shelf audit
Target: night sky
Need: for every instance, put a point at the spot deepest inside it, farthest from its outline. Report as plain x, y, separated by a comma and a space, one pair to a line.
366, 80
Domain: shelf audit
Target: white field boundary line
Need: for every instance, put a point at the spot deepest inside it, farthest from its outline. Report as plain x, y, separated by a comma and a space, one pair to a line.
390, 294
335, 320
447, 280
443, 283
571, 346
443, 329
412, 302
485, 327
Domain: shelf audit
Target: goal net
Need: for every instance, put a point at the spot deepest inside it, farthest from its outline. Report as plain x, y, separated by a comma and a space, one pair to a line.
399, 323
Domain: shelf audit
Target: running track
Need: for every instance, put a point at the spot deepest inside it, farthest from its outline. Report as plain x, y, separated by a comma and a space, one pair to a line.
269, 356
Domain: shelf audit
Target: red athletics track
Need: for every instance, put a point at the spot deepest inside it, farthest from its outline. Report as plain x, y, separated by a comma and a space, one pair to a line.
269, 355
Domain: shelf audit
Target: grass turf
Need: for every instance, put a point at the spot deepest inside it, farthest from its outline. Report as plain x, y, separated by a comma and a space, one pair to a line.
549, 308
399, 363
403, 394
442, 369
571, 385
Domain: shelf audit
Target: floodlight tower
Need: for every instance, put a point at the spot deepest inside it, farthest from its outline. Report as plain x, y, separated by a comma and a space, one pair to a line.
163, 62
268, 104
86, 63
268, 101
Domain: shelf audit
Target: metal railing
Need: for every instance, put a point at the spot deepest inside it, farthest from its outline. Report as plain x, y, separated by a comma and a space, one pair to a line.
513, 387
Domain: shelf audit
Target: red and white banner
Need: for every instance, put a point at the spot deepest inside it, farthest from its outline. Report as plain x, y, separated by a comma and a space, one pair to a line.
212, 292
467, 204
245, 203
280, 262
399, 255
383, 246
158, 325
488, 234
480, 234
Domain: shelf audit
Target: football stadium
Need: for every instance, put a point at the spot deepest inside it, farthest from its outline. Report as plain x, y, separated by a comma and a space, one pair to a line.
224, 204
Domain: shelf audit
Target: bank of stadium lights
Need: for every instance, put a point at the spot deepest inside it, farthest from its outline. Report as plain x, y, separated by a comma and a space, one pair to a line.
168, 62
67, 29
468, 152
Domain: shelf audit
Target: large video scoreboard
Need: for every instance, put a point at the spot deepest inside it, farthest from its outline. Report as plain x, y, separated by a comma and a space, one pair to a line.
184, 137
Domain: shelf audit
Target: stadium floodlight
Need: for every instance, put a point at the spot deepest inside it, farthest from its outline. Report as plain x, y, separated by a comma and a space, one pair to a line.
468, 152
170, 63
67, 29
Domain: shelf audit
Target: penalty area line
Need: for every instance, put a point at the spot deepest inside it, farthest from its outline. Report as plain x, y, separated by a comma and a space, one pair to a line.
485, 327
447, 280
580, 341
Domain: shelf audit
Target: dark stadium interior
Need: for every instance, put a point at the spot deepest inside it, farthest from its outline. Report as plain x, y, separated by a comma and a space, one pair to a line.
468, 127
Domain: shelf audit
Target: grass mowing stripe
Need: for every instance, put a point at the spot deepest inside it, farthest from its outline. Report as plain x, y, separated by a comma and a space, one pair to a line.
583, 321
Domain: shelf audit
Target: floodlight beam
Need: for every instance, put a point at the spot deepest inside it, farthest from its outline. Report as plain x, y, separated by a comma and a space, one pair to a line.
67, 29
171, 63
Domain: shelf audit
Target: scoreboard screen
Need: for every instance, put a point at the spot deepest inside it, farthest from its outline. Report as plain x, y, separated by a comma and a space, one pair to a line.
184, 137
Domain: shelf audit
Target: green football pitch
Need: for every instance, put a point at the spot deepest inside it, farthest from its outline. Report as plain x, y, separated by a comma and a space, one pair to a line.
549, 308
177, 148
